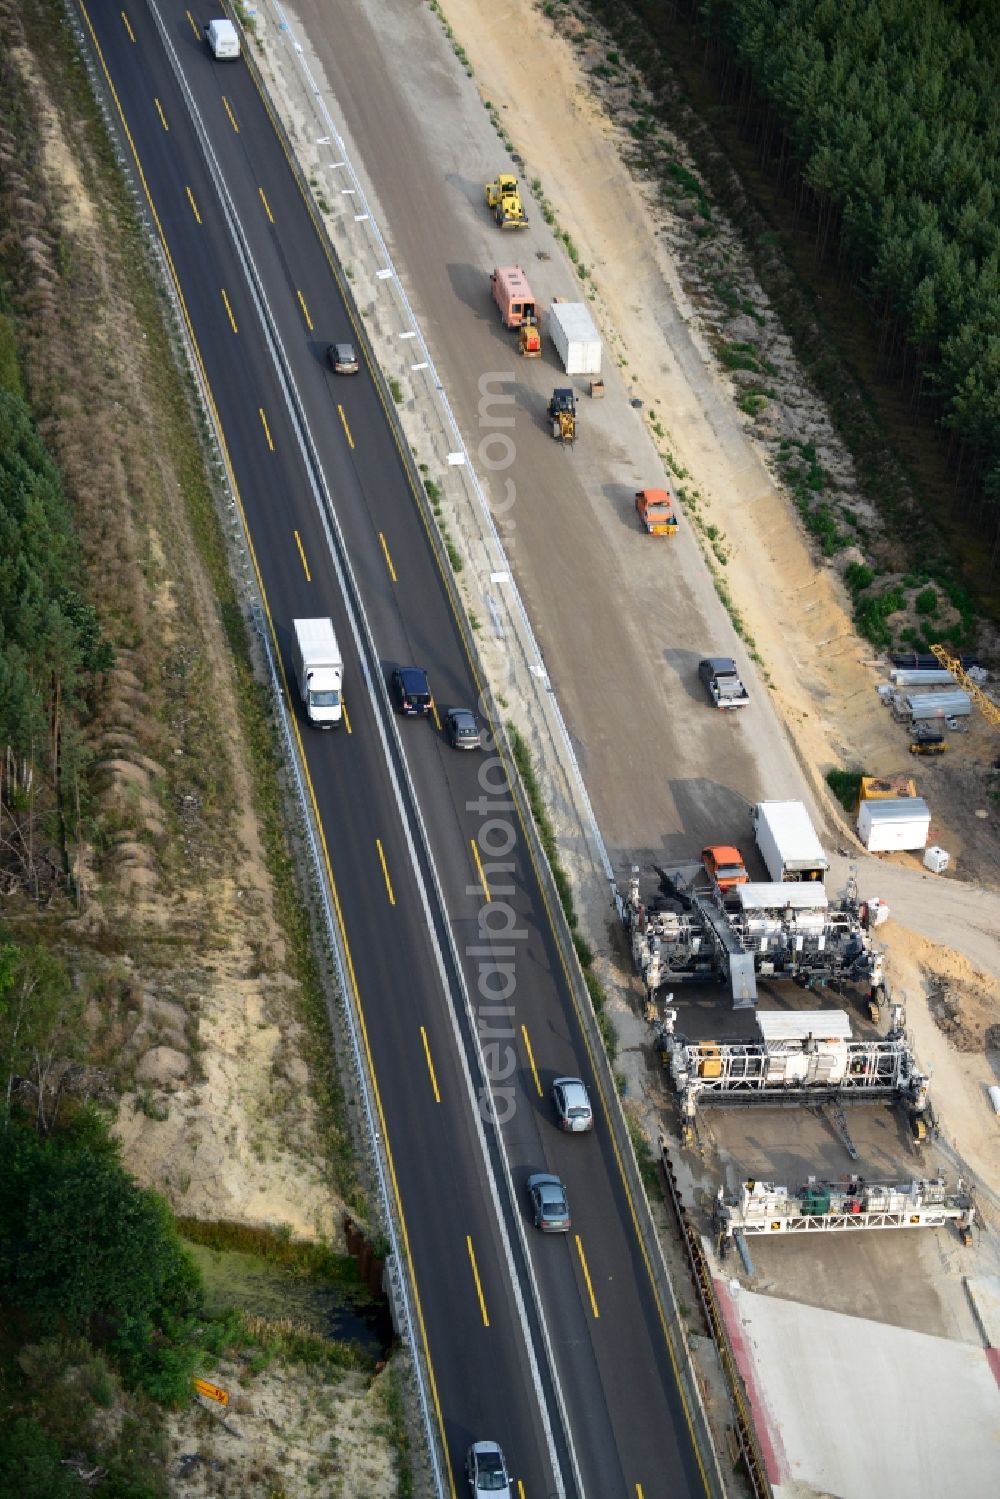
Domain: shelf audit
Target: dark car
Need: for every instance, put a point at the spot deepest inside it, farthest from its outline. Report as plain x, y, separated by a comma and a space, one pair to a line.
549, 1206
462, 729
722, 679
486, 1471
412, 691
343, 359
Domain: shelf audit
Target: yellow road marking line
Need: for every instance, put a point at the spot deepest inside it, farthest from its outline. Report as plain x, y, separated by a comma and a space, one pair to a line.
302, 554
531, 1059
638, 1491
479, 1284
267, 430
385, 872
305, 314
354, 990
479, 869
225, 105
437, 721
131, 33
520, 1488
350, 443
586, 1276
388, 559
194, 24
229, 311
197, 216
159, 111
267, 206
347, 721
430, 1064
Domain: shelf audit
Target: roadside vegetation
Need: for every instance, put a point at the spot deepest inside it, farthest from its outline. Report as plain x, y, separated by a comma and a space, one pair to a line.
164, 1034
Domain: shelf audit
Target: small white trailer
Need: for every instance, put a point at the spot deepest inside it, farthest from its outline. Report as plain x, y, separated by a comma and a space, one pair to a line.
894, 824
577, 341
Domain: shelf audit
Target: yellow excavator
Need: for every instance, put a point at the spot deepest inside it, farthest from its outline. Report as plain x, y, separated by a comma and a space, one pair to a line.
562, 415
503, 197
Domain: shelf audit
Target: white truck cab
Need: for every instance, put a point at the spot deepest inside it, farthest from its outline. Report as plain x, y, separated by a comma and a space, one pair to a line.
223, 40
319, 671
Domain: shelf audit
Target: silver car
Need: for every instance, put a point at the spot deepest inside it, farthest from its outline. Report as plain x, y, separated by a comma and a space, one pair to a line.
572, 1105
549, 1205
486, 1471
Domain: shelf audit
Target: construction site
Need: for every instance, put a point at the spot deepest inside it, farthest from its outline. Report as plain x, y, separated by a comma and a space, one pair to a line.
793, 1107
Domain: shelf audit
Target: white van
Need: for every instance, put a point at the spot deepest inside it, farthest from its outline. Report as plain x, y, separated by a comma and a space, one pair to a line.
223, 39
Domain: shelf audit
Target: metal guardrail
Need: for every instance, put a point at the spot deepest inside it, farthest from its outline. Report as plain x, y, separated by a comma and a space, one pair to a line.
746, 1436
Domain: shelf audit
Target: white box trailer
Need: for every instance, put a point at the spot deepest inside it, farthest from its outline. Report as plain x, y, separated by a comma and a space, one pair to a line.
577, 341
223, 40
893, 825
788, 843
319, 671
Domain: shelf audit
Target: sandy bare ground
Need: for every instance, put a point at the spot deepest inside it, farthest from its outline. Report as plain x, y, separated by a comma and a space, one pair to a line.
283, 1433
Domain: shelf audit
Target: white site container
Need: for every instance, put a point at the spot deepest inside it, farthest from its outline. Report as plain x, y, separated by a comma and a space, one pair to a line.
903, 676
577, 341
895, 824
936, 859
923, 705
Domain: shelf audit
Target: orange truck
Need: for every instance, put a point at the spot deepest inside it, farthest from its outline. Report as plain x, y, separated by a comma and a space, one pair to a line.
724, 866
513, 296
656, 511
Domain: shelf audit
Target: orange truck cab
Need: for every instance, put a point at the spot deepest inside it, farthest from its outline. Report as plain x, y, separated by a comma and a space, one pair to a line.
724, 866
656, 511
513, 296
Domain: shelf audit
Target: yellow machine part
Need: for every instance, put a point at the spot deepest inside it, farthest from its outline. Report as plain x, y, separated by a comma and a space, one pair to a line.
989, 709
711, 1064
530, 341
875, 788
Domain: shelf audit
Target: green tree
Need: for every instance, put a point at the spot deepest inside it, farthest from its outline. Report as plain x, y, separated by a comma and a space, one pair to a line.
85, 1251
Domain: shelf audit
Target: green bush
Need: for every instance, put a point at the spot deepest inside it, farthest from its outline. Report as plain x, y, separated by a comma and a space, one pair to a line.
83, 1246
926, 602
846, 786
871, 615
858, 577
31, 1463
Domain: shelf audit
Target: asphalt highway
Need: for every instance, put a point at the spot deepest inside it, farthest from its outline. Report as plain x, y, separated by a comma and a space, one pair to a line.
552, 1345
